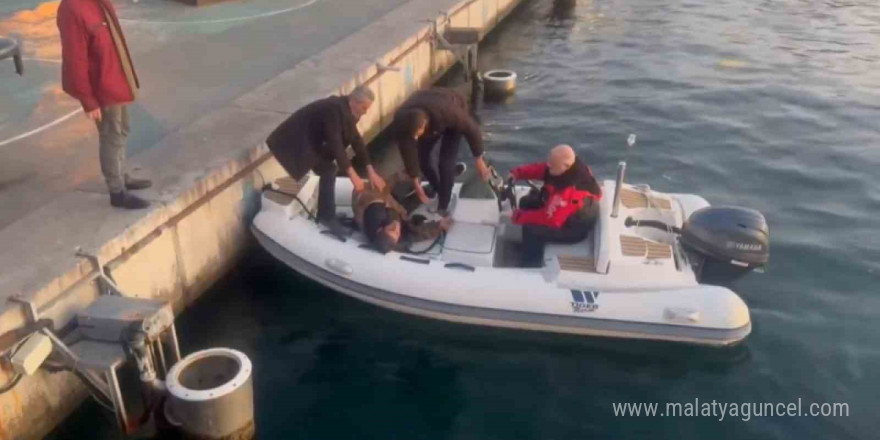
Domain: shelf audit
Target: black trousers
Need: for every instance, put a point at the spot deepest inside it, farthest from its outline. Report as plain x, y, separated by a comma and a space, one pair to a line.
535, 237
441, 177
326, 170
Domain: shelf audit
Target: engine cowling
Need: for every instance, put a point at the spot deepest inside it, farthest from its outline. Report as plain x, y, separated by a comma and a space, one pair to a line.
727, 241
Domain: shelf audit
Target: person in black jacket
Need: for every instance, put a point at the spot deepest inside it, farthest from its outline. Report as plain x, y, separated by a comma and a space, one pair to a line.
426, 117
315, 137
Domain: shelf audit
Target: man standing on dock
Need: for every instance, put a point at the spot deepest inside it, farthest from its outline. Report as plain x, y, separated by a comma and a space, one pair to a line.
97, 70
315, 138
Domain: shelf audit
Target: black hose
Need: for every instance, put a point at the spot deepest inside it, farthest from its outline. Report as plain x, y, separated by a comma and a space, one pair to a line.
652, 224
437, 240
306, 209
295, 197
11, 384
13, 338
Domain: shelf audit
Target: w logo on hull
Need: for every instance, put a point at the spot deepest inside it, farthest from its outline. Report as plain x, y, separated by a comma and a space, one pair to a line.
584, 301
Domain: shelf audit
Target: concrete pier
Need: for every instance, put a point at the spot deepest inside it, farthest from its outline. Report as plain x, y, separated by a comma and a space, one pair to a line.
206, 178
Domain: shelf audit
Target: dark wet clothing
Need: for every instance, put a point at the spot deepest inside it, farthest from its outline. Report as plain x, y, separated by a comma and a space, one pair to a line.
375, 209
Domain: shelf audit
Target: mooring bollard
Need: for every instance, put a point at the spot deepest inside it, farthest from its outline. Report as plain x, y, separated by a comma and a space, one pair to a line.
499, 83
211, 395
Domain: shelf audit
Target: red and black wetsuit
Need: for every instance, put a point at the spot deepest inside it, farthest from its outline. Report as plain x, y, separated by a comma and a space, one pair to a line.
551, 216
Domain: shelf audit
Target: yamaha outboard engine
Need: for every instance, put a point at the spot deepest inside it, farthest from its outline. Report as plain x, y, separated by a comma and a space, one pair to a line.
726, 242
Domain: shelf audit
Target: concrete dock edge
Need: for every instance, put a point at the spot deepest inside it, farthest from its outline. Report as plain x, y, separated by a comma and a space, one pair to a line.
207, 178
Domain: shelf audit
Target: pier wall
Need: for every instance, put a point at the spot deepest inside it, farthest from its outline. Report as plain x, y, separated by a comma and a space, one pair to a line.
206, 178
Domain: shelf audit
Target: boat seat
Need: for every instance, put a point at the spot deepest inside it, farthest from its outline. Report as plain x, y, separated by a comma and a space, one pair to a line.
283, 190
288, 185
636, 199
278, 197
632, 246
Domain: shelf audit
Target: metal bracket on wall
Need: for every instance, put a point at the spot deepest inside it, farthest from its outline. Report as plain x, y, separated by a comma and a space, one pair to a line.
382, 67
105, 281
10, 48
69, 359
462, 42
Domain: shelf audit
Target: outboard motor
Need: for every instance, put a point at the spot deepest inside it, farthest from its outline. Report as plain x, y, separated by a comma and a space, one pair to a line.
726, 242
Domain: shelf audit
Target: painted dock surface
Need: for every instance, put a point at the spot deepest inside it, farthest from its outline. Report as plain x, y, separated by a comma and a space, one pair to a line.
191, 61
215, 82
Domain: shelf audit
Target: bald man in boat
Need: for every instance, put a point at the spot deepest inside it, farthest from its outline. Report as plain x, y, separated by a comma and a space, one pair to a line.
563, 210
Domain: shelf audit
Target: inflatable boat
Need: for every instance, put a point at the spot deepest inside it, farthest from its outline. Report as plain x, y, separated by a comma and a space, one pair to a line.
644, 272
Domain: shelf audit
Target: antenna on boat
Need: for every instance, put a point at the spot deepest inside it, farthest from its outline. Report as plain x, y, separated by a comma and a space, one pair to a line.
621, 170
630, 142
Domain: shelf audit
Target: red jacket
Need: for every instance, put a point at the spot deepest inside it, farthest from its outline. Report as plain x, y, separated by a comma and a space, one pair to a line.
562, 195
91, 69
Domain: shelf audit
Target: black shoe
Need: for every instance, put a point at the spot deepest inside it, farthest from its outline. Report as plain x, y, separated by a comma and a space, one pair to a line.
125, 200
335, 227
134, 184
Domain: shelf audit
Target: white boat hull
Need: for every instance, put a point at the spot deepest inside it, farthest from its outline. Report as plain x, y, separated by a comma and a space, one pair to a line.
650, 299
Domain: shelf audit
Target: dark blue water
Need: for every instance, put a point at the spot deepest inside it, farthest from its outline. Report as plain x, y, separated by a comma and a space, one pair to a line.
771, 105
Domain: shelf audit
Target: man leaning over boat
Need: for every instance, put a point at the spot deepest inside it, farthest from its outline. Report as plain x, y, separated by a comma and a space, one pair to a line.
315, 138
429, 117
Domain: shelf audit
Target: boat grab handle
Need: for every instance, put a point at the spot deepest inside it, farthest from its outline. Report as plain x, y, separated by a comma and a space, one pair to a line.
414, 260
339, 266
330, 233
461, 266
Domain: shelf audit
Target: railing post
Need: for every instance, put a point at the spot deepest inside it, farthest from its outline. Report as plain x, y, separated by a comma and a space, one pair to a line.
621, 170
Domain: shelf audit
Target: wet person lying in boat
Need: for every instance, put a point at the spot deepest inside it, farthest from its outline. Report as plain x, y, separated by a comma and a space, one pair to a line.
315, 138
386, 222
563, 210
426, 118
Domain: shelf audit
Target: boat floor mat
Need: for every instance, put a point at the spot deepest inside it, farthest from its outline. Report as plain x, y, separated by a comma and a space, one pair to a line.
635, 199
632, 246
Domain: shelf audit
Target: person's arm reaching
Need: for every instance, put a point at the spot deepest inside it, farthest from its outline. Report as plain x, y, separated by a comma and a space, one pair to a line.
420, 192
333, 138
75, 63
534, 171
357, 144
410, 155
471, 131
593, 186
